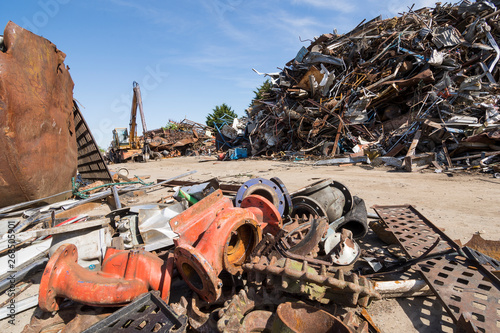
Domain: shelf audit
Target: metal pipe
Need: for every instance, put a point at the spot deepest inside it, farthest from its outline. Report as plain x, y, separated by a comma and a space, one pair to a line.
21, 306
116, 196
5, 284
402, 288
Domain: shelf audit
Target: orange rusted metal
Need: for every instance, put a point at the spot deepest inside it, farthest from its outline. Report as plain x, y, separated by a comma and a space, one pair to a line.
124, 276
301, 318
214, 236
37, 130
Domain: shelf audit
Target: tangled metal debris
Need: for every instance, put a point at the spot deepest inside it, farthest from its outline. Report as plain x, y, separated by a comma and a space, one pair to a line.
411, 91
233, 255
420, 88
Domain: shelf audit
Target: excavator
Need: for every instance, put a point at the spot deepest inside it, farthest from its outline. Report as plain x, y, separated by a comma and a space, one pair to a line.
126, 145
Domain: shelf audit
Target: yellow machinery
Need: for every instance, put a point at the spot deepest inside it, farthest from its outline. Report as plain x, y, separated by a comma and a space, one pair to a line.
127, 145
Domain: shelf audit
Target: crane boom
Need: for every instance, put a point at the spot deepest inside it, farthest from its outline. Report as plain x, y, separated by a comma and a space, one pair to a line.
136, 102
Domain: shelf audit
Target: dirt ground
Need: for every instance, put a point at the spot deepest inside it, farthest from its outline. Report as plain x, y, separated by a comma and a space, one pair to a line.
461, 203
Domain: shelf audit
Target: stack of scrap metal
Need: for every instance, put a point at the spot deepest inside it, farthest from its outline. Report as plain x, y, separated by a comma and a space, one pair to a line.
255, 257
180, 138
421, 87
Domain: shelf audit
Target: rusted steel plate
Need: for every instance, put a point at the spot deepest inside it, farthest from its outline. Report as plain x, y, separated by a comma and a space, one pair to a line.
489, 247
37, 132
415, 233
464, 285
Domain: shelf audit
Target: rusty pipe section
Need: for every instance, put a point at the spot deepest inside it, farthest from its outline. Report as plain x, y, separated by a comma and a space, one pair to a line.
124, 276
213, 235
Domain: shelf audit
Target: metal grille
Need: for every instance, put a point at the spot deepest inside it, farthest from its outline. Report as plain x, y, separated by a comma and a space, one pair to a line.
465, 286
462, 287
149, 313
415, 233
91, 164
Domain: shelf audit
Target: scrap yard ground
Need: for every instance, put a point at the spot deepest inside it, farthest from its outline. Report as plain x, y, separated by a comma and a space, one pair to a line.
460, 203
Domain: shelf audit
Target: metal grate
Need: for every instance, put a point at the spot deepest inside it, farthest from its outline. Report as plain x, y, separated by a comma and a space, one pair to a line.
149, 313
462, 287
415, 233
91, 165
465, 285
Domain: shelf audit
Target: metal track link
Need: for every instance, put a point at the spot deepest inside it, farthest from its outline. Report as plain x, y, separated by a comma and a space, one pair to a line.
296, 277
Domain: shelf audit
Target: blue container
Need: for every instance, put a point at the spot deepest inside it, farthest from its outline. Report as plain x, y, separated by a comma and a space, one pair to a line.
239, 153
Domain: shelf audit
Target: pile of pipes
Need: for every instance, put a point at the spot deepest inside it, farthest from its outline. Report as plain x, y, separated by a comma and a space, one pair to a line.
421, 86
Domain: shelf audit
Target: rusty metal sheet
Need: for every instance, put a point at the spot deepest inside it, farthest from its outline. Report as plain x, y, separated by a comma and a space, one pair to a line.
414, 232
489, 247
37, 132
465, 285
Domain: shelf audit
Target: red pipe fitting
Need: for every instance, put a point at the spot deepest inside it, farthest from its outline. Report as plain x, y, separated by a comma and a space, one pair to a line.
124, 276
214, 235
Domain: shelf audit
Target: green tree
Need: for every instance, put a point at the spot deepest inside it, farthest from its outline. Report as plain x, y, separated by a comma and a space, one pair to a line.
264, 88
221, 114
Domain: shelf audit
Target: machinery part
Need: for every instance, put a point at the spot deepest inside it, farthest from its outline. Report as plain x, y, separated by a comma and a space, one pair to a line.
124, 276
299, 278
341, 248
36, 121
305, 237
149, 313
199, 320
307, 206
286, 194
129, 230
461, 282
268, 189
233, 314
356, 219
300, 318
215, 236
300, 243
258, 321
335, 199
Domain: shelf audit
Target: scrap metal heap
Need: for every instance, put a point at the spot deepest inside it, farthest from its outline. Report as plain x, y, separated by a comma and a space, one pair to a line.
180, 138
423, 85
240, 258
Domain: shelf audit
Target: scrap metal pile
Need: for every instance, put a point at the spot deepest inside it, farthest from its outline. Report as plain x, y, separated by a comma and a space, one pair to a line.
241, 258
423, 85
180, 138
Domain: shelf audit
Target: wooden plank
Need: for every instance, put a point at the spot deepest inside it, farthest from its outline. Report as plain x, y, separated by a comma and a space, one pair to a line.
418, 162
486, 154
414, 143
446, 154
394, 151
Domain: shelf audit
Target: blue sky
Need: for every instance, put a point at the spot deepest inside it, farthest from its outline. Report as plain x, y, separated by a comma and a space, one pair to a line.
188, 56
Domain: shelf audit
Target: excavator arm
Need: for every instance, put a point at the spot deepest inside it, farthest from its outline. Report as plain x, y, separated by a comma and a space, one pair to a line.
136, 102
